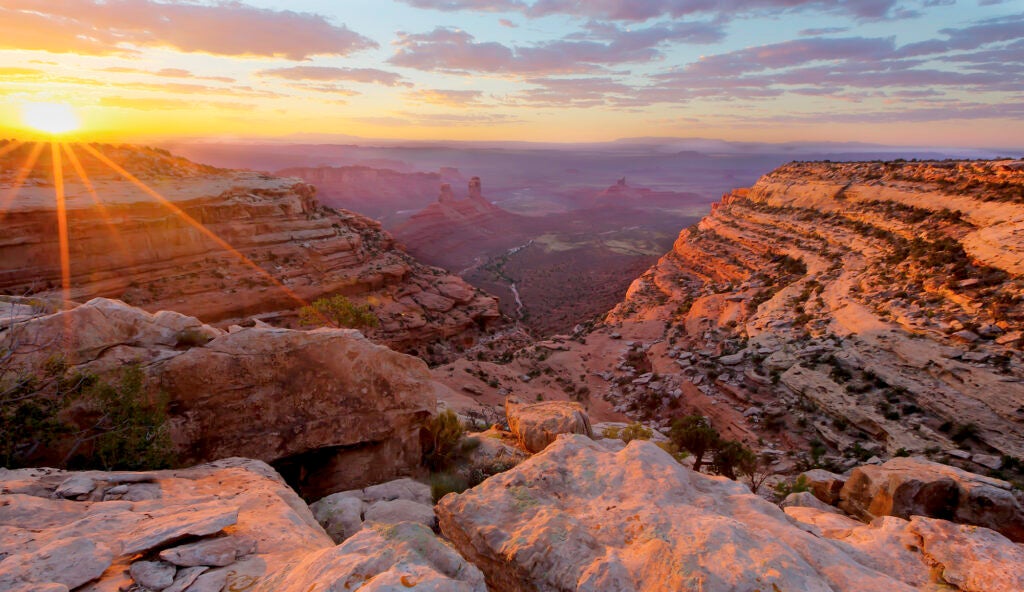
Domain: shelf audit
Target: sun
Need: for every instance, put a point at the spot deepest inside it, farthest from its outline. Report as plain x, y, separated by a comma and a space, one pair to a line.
52, 118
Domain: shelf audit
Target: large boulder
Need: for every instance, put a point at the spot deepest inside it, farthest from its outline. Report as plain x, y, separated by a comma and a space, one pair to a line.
330, 409
924, 552
537, 425
908, 486
236, 514
580, 516
824, 485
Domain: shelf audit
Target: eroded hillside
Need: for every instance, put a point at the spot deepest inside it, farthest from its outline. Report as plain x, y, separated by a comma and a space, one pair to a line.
875, 307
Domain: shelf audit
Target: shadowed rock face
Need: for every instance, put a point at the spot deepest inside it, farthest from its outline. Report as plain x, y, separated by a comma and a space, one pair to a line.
333, 410
287, 248
580, 516
907, 487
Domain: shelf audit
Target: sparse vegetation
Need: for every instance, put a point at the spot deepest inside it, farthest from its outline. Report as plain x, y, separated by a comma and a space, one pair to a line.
338, 311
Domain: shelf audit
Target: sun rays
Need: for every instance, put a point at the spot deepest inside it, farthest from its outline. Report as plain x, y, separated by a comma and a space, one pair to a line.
57, 152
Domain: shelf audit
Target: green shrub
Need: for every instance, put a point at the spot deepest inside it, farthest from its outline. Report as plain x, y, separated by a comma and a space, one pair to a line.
340, 312
441, 484
118, 424
635, 431
694, 434
442, 443
800, 485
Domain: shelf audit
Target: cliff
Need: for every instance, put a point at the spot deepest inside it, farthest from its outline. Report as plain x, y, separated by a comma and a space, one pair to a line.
872, 307
225, 245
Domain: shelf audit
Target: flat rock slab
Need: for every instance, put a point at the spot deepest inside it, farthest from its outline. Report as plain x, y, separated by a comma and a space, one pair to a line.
67, 562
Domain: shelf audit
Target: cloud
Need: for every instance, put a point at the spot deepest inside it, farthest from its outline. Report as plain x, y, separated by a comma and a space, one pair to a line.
164, 104
447, 98
409, 118
328, 73
507, 23
101, 27
644, 10
456, 51
166, 73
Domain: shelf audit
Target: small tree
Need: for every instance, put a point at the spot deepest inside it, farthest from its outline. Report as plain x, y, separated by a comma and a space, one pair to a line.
694, 434
340, 312
732, 457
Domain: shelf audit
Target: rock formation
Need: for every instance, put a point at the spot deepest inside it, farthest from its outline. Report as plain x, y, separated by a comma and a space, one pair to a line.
329, 408
229, 525
286, 249
582, 516
538, 424
868, 306
908, 487
452, 232
381, 194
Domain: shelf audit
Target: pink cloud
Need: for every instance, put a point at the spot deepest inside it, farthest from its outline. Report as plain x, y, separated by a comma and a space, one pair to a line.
329, 73
225, 28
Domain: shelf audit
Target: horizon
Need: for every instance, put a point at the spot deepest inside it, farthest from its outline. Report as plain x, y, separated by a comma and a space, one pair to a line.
894, 73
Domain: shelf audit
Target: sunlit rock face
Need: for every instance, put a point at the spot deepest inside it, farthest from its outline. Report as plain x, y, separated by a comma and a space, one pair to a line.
580, 516
225, 245
331, 409
228, 525
870, 306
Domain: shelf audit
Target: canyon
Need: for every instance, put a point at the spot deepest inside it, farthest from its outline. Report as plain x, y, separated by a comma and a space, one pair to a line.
857, 325
224, 246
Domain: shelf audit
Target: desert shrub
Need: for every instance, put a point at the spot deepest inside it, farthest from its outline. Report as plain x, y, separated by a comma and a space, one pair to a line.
441, 484
132, 431
123, 427
732, 458
635, 431
964, 432
443, 440
191, 337
674, 450
799, 485
340, 312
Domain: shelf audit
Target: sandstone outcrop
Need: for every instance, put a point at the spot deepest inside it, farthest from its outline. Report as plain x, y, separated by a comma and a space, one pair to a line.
906, 487
231, 522
329, 408
451, 232
579, 516
225, 245
871, 307
229, 525
538, 424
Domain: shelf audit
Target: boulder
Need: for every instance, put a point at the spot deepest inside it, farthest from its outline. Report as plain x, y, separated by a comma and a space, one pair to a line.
403, 500
235, 508
805, 499
825, 485
404, 556
578, 516
537, 425
332, 410
910, 486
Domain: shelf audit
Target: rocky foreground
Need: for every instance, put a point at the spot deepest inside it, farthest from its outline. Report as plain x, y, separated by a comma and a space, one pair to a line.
581, 515
225, 246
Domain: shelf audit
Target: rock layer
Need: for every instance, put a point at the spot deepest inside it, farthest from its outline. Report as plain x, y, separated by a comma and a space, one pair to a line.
225, 245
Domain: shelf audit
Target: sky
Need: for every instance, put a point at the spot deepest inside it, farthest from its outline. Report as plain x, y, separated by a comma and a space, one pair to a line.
905, 72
